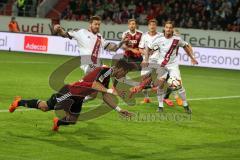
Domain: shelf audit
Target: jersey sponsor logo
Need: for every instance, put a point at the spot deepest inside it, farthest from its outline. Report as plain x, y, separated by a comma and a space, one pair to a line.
133, 41
32, 43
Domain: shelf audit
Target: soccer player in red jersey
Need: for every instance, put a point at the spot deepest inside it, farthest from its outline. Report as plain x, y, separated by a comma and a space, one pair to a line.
129, 43
131, 50
71, 96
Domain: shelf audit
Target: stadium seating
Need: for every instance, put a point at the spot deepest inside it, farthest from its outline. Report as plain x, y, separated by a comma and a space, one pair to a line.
58, 9
6, 7
199, 14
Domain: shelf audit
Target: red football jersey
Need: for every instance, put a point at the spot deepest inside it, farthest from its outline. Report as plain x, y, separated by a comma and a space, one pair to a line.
83, 87
133, 42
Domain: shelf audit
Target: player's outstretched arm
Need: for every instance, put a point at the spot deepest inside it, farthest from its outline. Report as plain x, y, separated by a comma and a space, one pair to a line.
114, 47
101, 88
107, 98
59, 31
188, 49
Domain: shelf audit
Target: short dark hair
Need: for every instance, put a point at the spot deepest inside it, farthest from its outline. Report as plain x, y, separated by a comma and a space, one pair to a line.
94, 18
122, 63
153, 21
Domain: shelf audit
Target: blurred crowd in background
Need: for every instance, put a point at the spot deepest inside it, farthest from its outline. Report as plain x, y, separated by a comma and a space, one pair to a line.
200, 14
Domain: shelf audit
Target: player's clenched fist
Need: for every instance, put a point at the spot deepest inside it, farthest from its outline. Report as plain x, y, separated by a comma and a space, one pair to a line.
57, 28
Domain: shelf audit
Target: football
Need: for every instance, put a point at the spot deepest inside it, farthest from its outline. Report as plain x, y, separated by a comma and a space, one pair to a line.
174, 83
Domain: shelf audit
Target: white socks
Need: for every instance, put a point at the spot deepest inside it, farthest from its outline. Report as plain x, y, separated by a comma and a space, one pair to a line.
182, 94
160, 96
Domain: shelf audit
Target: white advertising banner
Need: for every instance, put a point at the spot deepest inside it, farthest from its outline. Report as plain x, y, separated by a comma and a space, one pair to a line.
28, 25
207, 57
196, 37
212, 57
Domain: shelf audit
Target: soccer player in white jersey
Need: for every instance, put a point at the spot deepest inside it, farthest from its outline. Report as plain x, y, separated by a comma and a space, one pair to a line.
169, 90
165, 48
145, 41
90, 43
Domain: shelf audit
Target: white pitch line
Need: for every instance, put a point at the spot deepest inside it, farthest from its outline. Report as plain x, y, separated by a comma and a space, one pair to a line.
212, 98
190, 99
18, 110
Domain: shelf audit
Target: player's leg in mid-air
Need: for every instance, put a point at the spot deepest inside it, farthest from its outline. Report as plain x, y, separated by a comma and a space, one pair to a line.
145, 74
29, 103
71, 105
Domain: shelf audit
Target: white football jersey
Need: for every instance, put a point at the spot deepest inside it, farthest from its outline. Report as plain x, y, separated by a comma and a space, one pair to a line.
86, 41
146, 41
167, 48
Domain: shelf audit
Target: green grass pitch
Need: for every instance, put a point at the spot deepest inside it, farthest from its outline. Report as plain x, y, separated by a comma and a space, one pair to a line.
212, 133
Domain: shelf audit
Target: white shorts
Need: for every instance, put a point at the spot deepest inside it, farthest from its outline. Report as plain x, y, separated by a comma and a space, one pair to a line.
152, 65
172, 70
89, 67
146, 71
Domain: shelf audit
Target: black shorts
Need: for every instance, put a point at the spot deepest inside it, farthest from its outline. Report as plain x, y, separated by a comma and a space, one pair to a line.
135, 60
63, 101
